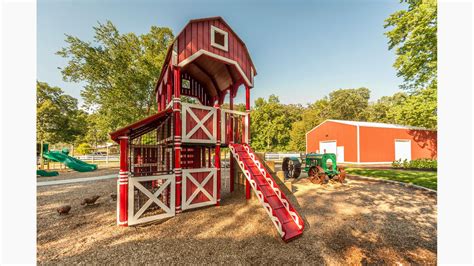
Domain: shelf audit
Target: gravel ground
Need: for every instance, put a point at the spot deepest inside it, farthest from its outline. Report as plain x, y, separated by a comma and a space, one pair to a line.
361, 222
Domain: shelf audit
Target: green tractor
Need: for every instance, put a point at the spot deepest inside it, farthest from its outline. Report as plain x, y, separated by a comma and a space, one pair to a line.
323, 167
320, 168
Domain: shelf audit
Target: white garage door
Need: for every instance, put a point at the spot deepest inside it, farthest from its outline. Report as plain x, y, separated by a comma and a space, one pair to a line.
402, 150
327, 147
340, 154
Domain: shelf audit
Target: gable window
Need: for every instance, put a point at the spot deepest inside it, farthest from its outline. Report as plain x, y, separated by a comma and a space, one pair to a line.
219, 38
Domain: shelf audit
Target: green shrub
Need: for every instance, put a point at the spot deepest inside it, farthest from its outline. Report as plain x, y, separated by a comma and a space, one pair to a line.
424, 164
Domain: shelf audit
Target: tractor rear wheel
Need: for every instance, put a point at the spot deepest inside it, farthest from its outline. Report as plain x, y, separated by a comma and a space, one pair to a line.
291, 167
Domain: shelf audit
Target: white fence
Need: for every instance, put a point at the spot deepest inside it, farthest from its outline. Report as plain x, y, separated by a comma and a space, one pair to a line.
105, 158
279, 156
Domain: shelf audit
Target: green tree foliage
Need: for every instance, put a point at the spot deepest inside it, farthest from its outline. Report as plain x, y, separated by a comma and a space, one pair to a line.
419, 109
271, 124
311, 116
385, 109
119, 72
349, 104
413, 36
83, 148
58, 118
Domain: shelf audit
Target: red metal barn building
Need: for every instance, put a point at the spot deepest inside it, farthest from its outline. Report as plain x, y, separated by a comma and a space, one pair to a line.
371, 143
170, 161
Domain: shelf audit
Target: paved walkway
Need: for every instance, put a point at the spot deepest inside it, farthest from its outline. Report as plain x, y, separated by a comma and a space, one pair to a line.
76, 180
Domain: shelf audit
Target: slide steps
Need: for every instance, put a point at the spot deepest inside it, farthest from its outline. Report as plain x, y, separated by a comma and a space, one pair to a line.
285, 218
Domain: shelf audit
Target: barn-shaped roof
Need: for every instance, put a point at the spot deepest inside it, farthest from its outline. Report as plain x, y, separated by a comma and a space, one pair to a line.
209, 51
371, 124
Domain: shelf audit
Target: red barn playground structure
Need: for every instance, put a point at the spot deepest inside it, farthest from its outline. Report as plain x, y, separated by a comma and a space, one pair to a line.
165, 159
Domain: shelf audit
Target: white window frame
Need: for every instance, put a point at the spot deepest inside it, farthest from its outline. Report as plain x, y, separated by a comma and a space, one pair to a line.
226, 38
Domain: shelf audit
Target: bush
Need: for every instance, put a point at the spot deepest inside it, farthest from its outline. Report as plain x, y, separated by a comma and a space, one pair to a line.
423, 164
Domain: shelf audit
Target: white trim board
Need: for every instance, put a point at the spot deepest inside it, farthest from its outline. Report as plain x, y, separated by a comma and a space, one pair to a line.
225, 47
218, 57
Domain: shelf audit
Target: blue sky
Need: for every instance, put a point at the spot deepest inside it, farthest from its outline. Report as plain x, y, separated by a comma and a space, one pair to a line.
302, 49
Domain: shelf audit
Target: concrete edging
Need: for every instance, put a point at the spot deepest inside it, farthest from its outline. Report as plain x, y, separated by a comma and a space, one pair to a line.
360, 177
74, 180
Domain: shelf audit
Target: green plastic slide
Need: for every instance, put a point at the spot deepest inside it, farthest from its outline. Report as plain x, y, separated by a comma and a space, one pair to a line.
46, 173
71, 162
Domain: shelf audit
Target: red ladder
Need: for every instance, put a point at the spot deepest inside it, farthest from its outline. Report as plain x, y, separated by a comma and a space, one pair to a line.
285, 218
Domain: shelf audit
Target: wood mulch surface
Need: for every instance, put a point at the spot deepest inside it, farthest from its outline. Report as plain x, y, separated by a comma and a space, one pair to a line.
360, 222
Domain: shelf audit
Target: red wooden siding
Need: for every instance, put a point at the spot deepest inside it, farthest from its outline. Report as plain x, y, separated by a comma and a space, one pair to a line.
191, 187
191, 123
197, 36
196, 90
344, 135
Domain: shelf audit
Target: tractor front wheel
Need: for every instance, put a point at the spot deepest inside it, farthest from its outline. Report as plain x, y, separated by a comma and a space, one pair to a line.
342, 175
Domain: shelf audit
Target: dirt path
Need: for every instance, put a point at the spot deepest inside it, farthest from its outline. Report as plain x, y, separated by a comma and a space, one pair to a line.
358, 223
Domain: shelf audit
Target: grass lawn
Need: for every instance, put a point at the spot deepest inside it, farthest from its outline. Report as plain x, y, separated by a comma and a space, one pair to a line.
426, 179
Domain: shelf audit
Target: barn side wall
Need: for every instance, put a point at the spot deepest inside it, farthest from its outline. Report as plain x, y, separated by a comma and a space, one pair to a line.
378, 144
344, 135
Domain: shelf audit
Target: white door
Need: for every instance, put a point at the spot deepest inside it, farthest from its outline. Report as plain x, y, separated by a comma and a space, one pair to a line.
327, 147
340, 154
403, 150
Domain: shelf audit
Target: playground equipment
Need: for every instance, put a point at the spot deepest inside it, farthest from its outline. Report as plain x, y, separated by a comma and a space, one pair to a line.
46, 173
171, 161
320, 171
285, 218
71, 162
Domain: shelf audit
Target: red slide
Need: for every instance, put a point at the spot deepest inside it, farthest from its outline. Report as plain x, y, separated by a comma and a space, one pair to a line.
285, 218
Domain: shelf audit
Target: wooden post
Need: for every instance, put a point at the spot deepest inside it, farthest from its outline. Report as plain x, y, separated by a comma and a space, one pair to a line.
247, 139
107, 154
41, 156
122, 184
217, 153
231, 137
177, 136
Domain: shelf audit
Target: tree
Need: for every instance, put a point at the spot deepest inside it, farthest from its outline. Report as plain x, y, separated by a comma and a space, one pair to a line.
271, 124
384, 109
58, 118
419, 109
413, 35
311, 116
83, 148
119, 71
349, 104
